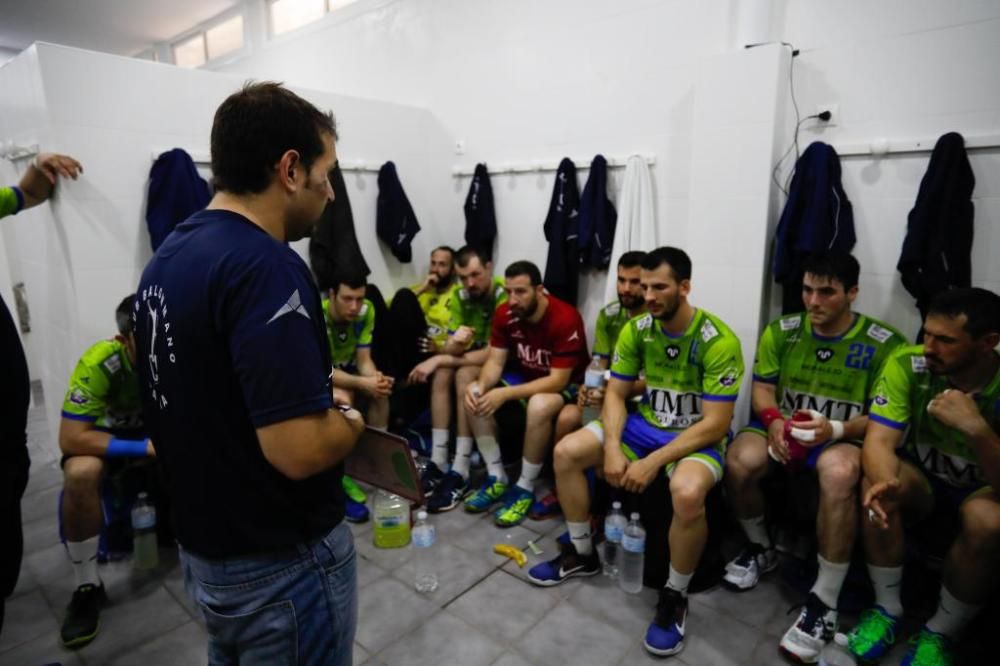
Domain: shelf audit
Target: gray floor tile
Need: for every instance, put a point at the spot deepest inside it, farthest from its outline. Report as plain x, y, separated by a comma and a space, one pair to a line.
45, 649
369, 572
433, 643
47, 563
187, 644
764, 607
27, 617
173, 581
602, 597
457, 571
765, 652
42, 477
40, 534
360, 655
638, 654
481, 535
41, 504
568, 635
717, 639
388, 559
504, 607
26, 582
511, 659
388, 610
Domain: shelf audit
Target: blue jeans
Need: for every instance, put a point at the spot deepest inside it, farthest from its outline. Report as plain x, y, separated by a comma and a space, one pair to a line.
295, 607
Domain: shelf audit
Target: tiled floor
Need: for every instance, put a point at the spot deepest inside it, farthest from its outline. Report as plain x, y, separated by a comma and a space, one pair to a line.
482, 613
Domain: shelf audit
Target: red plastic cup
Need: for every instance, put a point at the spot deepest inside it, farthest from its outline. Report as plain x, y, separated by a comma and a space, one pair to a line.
797, 453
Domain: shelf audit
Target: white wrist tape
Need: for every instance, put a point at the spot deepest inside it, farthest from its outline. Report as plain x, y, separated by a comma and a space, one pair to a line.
838, 429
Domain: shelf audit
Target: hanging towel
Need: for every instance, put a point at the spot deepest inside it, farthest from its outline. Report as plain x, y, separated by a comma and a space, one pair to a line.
598, 217
480, 216
334, 244
176, 192
562, 267
817, 216
636, 229
395, 222
938, 246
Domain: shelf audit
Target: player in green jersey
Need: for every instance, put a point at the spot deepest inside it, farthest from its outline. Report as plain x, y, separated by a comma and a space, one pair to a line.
471, 306
693, 364
101, 427
826, 360
350, 323
434, 294
941, 402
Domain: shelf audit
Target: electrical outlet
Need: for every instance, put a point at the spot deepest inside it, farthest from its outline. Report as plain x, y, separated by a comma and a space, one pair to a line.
834, 110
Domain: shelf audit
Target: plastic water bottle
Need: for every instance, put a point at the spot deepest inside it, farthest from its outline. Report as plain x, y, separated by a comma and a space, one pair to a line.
836, 653
391, 526
592, 379
633, 555
423, 554
614, 530
145, 554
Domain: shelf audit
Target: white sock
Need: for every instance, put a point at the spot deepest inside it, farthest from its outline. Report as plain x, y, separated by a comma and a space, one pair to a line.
756, 531
490, 451
952, 615
829, 580
678, 581
439, 450
887, 581
529, 474
463, 449
579, 534
83, 556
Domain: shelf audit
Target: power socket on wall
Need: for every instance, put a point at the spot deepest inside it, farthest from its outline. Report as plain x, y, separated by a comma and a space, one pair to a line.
833, 109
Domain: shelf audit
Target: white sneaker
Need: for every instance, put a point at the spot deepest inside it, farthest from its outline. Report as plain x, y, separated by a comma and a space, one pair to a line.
816, 626
744, 572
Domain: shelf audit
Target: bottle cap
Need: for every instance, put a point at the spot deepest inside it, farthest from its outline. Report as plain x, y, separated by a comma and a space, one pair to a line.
143, 495
421, 515
616, 505
634, 516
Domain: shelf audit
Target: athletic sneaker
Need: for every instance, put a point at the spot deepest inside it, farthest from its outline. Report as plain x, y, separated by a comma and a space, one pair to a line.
353, 490
744, 571
449, 492
355, 512
83, 616
805, 640
516, 503
665, 636
569, 563
928, 648
545, 508
484, 498
430, 478
874, 635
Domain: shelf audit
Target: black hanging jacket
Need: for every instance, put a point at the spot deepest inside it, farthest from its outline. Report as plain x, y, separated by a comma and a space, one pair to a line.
395, 222
562, 267
334, 244
817, 217
480, 216
938, 245
176, 192
598, 217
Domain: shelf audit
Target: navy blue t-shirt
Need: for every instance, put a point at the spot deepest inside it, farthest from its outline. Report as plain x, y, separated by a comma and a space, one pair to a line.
231, 337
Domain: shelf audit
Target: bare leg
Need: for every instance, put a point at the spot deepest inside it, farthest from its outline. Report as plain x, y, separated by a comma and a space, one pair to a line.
689, 486
573, 455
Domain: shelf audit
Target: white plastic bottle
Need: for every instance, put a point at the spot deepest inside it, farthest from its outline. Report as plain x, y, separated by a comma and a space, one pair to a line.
614, 530
633, 555
424, 535
593, 379
145, 554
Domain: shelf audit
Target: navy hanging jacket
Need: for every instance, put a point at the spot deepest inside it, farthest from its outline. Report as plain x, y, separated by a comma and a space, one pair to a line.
333, 247
598, 217
480, 216
562, 267
395, 222
176, 192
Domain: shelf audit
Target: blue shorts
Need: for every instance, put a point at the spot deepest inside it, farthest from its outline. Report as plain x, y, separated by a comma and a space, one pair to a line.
514, 378
815, 452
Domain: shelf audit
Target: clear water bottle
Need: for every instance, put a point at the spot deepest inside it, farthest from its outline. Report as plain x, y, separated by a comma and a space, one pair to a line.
424, 535
145, 554
593, 379
633, 555
836, 653
614, 530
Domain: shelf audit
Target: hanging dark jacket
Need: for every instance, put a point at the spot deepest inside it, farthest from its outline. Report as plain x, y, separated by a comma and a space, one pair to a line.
562, 267
176, 192
334, 245
395, 222
480, 216
817, 217
598, 217
938, 245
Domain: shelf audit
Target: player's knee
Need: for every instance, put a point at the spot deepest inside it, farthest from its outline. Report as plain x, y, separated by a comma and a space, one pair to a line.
543, 405
569, 419
745, 462
981, 524
688, 498
442, 379
839, 477
82, 475
567, 458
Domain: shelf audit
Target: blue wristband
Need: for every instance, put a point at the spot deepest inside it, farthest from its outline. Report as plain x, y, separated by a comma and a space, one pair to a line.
126, 448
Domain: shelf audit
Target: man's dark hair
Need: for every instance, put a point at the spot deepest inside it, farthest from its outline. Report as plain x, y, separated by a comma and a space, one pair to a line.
467, 252
349, 278
631, 259
833, 265
524, 268
123, 315
980, 306
445, 248
254, 127
677, 259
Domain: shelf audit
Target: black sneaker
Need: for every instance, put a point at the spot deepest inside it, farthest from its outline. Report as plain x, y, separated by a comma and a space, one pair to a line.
449, 492
569, 563
83, 616
665, 635
431, 478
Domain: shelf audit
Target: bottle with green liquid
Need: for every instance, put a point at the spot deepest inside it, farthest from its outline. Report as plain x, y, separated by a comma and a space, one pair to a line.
392, 521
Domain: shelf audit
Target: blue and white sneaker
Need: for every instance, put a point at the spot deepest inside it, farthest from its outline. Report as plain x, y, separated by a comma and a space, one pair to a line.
665, 635
569, 563
448, 493
355, 512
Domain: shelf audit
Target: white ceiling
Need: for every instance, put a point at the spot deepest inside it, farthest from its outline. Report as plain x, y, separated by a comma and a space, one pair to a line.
124, 27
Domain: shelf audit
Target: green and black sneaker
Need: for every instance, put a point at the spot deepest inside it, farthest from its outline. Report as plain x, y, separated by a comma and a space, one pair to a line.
83, 615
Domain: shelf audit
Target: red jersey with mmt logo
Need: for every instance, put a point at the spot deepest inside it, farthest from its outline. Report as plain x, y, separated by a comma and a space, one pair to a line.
557, 340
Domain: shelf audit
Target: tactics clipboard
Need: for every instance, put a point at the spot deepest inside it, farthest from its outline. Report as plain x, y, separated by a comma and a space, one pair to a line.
384, 461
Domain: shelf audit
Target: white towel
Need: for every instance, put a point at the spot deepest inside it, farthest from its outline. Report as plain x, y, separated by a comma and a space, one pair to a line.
636, 228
